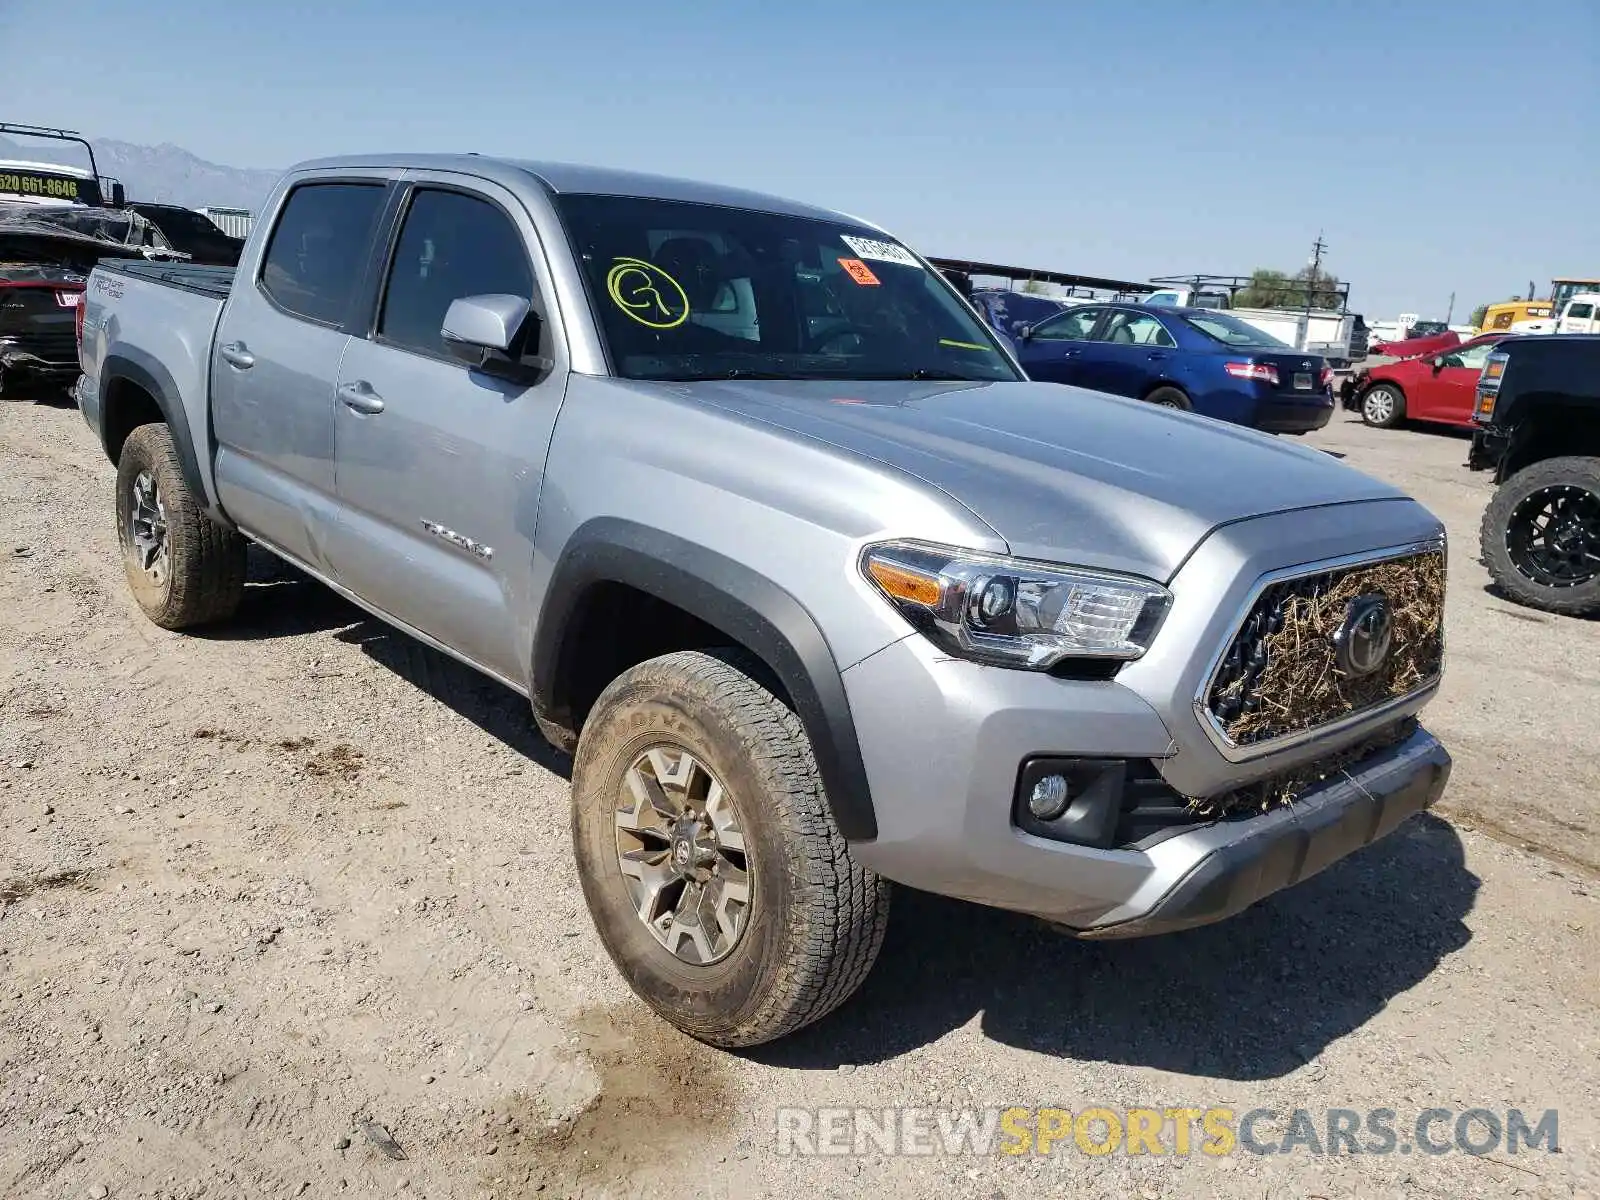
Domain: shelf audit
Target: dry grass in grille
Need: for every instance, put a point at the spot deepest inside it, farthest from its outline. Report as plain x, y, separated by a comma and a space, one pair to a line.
1284, 789
1301, 685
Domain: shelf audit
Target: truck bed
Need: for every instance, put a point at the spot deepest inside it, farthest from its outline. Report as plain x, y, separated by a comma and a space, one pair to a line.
214, 282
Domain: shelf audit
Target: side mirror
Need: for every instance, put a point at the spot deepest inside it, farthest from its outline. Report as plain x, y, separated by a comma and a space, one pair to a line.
1023, 333
1438, 364
491, 334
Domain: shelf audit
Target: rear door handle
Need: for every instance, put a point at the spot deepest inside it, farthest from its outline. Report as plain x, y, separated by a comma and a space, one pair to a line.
237, 354
1069, 353
1158, 356
360, 397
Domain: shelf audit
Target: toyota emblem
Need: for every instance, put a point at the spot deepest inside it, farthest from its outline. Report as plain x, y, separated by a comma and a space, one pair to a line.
1361, 644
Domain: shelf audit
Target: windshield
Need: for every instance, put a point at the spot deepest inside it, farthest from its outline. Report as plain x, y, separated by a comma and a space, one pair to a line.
699, 291
1231, 331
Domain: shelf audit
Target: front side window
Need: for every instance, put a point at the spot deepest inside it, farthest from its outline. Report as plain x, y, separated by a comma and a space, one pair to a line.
701, 291
1472, 356
1136, 329
319, 249
1072, 326
451, 245
1581, 311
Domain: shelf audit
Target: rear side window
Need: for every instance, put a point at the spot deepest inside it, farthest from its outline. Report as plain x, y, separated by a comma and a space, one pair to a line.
451, 245
319, 249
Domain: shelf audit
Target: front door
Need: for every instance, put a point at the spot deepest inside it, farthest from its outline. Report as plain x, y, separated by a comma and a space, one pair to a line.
1053, 350
276, 363
439, 466
1448, 395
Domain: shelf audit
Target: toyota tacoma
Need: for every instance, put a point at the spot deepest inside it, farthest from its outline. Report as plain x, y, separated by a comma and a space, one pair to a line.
819, 590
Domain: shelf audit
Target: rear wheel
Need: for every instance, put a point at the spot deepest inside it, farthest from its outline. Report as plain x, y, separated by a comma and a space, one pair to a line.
183, 568
1168, 397
1383, 406
709, 859
1541, 536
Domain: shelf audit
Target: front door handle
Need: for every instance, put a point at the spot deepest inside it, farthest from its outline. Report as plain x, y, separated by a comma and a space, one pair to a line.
1071, 353
360, 397
236, 354
1158, 356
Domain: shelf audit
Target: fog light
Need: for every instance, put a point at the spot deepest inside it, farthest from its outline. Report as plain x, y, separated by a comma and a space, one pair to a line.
1049, 797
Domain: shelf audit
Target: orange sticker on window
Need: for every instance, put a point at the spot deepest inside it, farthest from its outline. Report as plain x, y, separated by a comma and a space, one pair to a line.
859, 271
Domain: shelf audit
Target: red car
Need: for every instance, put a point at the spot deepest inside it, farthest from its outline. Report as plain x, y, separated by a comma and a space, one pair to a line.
1438, 388
1417, 346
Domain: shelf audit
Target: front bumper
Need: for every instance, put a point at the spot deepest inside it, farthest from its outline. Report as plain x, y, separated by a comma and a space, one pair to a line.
1245, 861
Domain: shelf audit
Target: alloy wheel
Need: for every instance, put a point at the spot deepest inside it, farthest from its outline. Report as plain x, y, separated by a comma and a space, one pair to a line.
681, 850
1553, 537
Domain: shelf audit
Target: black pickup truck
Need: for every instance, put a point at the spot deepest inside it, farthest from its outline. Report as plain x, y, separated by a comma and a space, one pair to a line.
1537, 426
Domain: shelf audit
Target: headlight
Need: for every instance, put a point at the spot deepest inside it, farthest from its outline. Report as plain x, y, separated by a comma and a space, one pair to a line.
1012, 612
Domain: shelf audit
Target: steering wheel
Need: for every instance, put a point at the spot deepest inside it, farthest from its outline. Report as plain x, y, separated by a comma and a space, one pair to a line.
817, 343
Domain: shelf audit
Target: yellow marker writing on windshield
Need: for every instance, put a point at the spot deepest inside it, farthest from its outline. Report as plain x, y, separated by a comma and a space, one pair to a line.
647, 293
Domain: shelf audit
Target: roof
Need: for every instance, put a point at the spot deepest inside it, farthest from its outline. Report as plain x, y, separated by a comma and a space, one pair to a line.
574, 179
999, 271
58, 168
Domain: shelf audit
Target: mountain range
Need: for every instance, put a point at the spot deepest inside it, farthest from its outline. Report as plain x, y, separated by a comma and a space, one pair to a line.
163, 174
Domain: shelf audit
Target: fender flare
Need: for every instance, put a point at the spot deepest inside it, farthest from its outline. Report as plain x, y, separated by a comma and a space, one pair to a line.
739, 602
149, 375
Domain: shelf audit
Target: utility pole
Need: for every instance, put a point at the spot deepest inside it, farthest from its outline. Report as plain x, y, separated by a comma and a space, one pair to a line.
1315, 263
1451, 311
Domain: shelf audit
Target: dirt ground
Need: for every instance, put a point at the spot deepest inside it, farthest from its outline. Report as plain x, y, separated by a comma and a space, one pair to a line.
288, 909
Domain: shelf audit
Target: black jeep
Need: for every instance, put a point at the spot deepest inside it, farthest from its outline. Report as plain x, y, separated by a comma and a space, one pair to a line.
1537, 412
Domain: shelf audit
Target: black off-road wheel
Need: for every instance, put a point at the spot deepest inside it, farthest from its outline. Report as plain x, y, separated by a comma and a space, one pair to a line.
184, 569
711, 865
1541, 536
1383, 406
1168, 397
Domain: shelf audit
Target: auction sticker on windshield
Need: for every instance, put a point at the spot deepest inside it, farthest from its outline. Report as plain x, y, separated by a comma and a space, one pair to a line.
880, 251
859, 271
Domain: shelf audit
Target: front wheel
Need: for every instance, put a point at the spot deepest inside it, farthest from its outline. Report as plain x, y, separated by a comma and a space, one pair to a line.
1541, 536
709, 859
1382, 406
183, 568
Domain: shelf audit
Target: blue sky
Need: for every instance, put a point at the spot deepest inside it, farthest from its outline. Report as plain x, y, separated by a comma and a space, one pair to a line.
1437, 148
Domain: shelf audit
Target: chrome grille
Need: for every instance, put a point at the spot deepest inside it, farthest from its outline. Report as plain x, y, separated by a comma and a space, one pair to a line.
1282, 673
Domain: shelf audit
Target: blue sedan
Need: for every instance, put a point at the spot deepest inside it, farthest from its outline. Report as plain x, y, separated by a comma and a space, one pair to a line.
1197, 359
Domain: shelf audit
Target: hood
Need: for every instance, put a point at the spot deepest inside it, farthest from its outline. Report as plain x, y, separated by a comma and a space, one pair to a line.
1060, 473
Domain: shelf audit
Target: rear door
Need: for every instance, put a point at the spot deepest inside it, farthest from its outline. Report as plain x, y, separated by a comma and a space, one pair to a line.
440, 466
276, 363
1054, 350
1131, 353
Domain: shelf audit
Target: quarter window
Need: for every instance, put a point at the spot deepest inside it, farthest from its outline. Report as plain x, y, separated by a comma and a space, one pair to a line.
319, 249
451, 245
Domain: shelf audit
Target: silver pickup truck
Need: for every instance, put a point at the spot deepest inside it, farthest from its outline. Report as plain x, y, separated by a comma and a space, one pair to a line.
780, 543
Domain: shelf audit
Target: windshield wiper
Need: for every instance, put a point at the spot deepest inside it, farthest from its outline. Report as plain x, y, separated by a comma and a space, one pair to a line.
930, 373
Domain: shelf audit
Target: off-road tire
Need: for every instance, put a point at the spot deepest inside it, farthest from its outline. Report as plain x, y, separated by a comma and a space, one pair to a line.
204, 580
1169, 397
817, 917
1396, 410
1579, 600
